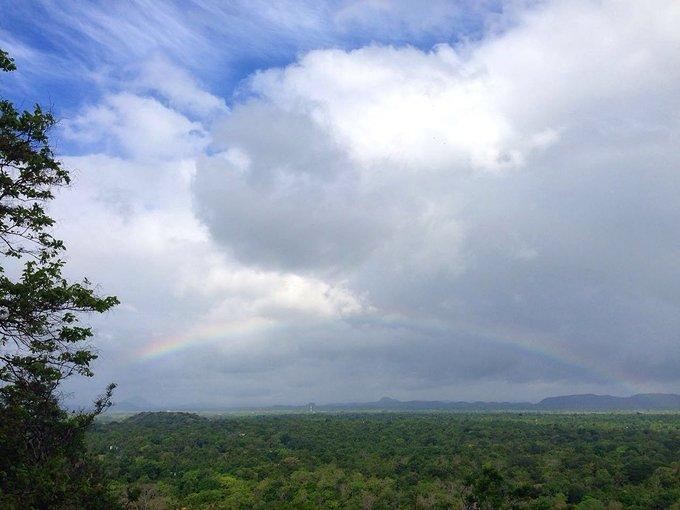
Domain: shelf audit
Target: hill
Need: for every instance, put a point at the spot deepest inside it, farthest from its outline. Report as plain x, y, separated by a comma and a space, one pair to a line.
590, 402
161, 418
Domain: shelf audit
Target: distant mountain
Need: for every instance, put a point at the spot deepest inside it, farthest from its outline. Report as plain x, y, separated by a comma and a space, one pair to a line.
585, 402
590, 402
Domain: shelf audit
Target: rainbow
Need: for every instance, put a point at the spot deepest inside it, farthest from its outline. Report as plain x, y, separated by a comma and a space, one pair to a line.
549, 348
553, 349
205, 334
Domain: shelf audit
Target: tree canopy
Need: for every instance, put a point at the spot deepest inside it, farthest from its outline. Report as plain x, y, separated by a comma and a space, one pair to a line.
475, 461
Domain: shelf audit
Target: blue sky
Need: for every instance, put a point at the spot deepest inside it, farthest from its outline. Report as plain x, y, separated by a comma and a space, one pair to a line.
68, 48
326, 201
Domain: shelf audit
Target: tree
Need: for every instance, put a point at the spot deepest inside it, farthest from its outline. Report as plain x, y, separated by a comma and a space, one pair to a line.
487, 490
42, 455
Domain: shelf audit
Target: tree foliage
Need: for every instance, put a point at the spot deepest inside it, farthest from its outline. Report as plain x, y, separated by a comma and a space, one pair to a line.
388, 460
42, 341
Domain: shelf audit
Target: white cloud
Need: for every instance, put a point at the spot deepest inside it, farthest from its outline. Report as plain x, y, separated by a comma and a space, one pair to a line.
180, 88
139, 127
401, 105
566, 60
276, 296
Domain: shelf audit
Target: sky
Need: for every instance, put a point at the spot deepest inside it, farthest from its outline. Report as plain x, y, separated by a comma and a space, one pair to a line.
344, 200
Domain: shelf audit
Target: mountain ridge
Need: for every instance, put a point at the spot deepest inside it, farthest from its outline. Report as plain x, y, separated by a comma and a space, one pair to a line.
577, 402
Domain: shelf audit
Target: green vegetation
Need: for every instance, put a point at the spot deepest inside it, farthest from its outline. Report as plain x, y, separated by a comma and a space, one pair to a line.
391, 460
43, 462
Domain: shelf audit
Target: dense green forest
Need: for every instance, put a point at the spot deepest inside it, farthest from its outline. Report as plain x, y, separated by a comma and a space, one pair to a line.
392, 460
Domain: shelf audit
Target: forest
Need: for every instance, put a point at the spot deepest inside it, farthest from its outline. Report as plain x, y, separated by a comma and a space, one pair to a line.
392, 460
